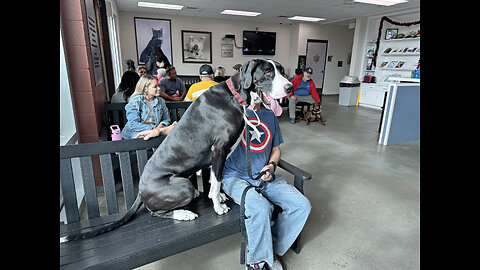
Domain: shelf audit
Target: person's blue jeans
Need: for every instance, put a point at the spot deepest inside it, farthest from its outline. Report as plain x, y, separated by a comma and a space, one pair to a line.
265, 240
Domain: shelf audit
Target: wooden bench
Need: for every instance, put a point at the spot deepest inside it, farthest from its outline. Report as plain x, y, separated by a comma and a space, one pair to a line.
143, 239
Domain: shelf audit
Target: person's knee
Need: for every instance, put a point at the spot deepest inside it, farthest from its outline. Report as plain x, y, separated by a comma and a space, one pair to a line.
304, 205
258, 207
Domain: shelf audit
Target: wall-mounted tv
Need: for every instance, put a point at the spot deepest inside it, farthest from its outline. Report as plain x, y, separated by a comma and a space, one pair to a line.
259, 43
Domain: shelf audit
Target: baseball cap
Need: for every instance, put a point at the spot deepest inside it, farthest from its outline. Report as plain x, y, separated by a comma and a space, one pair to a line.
309, 70
206, 70
237, 66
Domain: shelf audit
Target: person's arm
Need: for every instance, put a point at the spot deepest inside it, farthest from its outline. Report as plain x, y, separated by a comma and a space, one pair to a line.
313, 92
167, 97
275, 157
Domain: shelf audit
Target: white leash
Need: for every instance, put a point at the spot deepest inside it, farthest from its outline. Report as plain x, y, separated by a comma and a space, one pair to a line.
249, 123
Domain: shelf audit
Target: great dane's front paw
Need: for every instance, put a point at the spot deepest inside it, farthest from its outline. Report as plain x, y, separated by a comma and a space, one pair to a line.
221, 208
223, 197
184, 215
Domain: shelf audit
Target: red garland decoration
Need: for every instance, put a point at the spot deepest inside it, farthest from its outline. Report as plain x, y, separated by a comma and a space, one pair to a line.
384, 18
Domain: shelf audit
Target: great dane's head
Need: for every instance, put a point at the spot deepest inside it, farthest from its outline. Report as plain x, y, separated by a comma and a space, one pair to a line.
265, 80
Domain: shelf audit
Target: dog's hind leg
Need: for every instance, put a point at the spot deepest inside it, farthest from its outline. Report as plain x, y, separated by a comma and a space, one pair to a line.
163, 200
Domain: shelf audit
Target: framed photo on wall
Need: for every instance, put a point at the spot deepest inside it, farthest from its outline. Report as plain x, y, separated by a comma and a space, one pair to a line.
302, 60
150, 33
197, 47
390, 33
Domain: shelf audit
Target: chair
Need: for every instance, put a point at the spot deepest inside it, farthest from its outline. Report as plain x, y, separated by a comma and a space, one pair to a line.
301, 105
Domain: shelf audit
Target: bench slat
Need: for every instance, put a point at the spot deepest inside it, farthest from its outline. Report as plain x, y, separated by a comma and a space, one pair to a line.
68, 191
109, 184
142, 160
89, 187
127, 179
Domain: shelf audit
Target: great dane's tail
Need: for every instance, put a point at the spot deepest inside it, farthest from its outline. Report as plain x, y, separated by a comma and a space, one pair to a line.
106, 228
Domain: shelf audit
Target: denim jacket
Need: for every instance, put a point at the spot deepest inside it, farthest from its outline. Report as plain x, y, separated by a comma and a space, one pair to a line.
137, 112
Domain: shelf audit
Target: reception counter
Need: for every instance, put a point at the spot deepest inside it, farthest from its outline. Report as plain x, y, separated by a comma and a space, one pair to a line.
401, 115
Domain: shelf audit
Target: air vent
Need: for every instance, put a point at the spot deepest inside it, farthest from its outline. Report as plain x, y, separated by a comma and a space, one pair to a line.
192, 8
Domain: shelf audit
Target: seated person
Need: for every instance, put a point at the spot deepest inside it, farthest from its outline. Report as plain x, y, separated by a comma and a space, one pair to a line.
206, 77
146, 110
171, 87
141, 70
303, 90
126, 87
220, 74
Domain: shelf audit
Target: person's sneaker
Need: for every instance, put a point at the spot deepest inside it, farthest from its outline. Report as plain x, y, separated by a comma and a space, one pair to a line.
255, 266
277, 264
292, 120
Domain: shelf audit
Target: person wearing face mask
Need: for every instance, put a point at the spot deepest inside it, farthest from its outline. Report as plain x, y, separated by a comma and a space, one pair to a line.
303, 91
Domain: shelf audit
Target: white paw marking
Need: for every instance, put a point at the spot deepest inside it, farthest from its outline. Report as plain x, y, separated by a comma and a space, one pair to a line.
184, 215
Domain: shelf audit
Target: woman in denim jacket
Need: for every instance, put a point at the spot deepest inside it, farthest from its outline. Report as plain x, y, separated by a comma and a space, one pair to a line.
146, 110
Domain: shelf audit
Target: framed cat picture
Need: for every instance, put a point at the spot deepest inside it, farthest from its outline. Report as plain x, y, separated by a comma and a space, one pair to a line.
153, 36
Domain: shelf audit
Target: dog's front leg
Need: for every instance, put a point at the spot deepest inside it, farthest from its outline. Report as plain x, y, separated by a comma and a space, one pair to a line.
218, 161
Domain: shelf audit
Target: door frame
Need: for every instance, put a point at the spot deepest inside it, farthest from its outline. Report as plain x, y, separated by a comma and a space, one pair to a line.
324, 63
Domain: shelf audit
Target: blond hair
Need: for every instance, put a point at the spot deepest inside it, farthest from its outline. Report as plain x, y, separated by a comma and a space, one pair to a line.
220, 71
142, 84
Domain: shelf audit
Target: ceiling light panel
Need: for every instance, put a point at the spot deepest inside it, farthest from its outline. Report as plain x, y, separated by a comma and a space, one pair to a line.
240, 12
157, 5
308, 19
382, 2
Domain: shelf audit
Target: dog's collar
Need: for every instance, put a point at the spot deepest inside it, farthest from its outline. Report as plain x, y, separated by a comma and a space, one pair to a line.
234, 92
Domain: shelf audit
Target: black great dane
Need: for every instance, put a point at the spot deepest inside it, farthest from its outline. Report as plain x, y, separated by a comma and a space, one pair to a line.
208, 132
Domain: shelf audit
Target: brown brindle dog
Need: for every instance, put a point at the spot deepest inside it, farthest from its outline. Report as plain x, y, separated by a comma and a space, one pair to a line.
314, 115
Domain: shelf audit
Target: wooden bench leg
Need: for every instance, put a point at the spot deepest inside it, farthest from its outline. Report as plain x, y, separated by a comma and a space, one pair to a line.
296, 245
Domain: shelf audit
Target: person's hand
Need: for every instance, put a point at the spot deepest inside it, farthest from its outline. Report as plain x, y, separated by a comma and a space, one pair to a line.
294, 98
147, 134
177, 98
267, 176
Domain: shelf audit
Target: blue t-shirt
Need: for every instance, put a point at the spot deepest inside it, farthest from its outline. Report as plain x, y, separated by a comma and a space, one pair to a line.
170, 87
303, 88
260, 148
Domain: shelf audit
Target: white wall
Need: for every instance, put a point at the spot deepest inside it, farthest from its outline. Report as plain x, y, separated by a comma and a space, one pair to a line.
218, 28
340, 40
291, 41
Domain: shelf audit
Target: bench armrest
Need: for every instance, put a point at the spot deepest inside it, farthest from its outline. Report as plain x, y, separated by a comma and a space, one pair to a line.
299, 175
303, 175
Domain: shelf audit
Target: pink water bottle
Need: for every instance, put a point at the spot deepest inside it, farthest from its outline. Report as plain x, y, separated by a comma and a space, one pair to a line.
116, 133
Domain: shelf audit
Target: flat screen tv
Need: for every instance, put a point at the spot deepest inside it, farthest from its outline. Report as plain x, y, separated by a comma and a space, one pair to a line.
259, 43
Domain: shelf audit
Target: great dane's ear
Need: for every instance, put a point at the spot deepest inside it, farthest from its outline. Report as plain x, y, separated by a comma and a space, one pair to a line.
246, 73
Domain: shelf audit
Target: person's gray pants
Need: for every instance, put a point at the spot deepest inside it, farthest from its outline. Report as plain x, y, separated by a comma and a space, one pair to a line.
291, 104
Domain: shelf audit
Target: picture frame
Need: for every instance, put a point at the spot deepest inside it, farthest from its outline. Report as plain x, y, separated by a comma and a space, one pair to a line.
197, 47
302, 62
390, 33
150, 33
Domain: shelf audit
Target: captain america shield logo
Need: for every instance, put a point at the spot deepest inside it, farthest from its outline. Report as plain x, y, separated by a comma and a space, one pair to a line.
257, 144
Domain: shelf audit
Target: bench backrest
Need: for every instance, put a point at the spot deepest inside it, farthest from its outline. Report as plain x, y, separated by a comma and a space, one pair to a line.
110, 152
188, 80
115, 113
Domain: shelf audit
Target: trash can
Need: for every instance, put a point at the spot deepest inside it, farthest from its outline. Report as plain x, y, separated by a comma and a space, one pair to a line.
349, 86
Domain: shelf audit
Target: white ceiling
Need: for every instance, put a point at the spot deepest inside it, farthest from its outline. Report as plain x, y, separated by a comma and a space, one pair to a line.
337, 12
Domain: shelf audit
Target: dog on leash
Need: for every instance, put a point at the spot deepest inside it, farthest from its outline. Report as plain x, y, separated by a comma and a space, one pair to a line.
315, 114
208, 132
